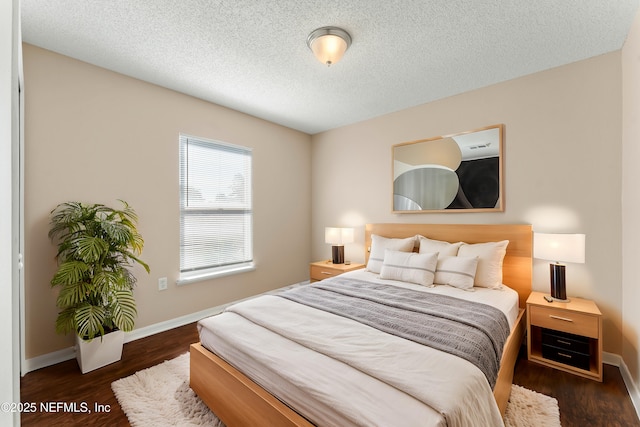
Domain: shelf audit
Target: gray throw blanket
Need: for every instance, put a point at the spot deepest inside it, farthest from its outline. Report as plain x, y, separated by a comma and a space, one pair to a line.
473, 331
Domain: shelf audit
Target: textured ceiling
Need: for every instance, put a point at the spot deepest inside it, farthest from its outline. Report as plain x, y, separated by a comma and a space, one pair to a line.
252, 56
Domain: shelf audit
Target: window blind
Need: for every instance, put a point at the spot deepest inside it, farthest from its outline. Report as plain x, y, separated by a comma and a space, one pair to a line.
216, 215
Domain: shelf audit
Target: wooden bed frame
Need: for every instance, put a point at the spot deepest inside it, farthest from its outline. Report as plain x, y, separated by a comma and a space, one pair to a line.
238, 401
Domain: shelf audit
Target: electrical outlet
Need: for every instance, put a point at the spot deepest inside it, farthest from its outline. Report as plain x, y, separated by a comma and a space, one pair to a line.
162, 284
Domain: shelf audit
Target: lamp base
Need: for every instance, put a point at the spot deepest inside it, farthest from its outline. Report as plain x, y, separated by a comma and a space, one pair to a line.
560, 300
337, 254
558, 283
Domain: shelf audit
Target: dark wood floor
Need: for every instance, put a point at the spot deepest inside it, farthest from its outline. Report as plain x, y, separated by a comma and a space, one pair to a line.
65, 383
582, 402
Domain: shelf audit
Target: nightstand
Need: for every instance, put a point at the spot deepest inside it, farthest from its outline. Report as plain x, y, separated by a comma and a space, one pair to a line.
324, 269
565, 335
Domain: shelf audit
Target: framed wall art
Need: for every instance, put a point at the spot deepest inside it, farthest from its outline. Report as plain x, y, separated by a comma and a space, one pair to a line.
455, 173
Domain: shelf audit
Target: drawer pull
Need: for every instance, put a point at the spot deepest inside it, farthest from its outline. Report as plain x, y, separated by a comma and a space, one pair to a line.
564, 342
568, 356
327, 273
560, 318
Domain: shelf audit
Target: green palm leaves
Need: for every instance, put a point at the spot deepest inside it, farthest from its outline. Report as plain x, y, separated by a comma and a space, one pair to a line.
96, 247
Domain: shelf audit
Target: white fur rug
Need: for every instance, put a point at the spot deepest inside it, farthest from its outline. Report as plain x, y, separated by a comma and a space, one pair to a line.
528, 408
160, 396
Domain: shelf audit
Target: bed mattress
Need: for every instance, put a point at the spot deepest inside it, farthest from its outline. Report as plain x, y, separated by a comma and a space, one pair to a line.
335, 371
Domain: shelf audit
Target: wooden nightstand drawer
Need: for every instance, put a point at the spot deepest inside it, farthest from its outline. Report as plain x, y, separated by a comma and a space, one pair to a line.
565, 320
324, 269
323, 272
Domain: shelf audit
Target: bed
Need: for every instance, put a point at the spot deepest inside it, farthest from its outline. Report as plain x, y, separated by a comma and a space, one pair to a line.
233, 382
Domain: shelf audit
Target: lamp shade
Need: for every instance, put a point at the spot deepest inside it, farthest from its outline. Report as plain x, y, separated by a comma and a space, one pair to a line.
329, 44
338, 236
559, 247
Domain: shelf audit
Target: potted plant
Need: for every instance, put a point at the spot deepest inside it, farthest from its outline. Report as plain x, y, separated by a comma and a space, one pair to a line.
96, 247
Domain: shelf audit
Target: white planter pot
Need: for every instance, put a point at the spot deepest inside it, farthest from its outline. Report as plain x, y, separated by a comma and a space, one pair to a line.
99, 352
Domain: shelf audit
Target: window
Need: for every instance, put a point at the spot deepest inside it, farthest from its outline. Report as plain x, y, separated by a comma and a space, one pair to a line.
215, 209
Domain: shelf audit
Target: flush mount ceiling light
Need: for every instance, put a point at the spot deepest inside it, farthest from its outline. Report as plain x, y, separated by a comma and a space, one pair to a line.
328, 44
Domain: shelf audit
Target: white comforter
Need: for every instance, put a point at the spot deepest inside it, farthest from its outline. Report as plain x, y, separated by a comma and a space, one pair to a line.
335, 371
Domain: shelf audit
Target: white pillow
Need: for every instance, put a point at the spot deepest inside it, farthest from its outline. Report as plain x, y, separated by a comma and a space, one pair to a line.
378, 246
409, 267
490, 256
456, 271
443, 248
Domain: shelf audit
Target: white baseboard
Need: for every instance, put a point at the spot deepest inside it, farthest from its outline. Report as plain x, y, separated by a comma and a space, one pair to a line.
632, 389
69, 353
48, 359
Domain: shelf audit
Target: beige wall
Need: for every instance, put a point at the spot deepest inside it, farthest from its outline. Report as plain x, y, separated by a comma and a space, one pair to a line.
96, 136
562, 169
562, 174
631, 201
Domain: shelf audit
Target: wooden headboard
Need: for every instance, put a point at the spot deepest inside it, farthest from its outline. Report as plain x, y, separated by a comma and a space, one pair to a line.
517, 265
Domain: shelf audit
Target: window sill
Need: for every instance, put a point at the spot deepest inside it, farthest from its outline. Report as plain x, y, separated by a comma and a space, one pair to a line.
185, 279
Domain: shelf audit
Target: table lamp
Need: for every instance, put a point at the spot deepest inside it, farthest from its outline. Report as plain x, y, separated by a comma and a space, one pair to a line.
338, 237
559, 248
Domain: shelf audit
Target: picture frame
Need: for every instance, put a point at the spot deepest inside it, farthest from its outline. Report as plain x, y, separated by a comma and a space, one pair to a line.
461, 172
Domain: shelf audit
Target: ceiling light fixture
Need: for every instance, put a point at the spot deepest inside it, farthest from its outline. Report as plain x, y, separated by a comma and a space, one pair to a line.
328, 44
